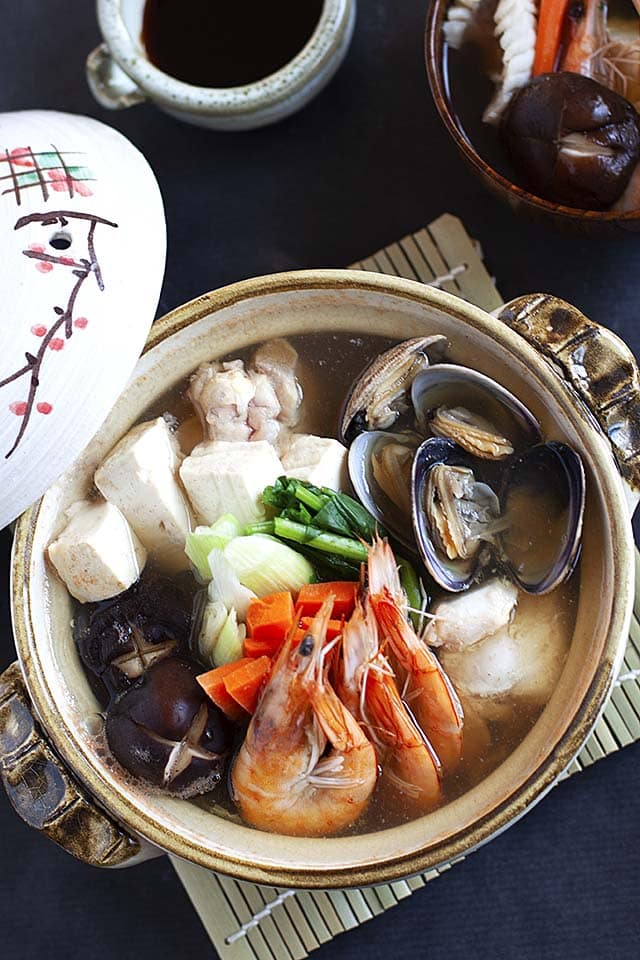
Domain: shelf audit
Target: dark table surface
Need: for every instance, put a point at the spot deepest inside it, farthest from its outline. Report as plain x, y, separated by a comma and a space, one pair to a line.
364, 164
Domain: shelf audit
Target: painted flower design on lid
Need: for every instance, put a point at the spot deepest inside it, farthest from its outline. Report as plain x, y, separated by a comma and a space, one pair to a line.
69, 187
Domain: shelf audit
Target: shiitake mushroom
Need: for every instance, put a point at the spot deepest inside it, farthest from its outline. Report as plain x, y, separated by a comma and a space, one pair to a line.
119, 639
572, 140
165, 731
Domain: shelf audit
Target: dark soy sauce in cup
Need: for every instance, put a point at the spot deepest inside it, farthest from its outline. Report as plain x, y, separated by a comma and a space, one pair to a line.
226, 43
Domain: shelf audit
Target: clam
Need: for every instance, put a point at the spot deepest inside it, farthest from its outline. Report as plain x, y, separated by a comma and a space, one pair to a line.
454, 514
448, 398
380, 471
381, 393
531, 530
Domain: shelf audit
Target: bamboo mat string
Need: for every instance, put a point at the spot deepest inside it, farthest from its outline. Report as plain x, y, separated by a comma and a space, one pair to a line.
249, 922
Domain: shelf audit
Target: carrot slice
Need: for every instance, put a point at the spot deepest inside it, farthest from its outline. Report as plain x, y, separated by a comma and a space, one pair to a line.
212, 683
551, 19
260, 648
245, 683
313, 595
269, 619
334, 627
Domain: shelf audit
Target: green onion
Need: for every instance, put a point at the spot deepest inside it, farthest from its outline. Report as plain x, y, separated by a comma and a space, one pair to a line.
265, 565
203, 540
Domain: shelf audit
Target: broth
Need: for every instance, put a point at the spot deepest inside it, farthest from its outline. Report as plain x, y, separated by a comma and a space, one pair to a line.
213, 43
327, 366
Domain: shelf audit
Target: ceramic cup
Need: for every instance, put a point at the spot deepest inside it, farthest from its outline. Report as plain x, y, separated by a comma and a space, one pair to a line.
578, 379
120, 74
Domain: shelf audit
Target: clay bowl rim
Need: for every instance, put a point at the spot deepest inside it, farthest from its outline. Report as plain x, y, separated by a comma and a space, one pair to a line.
435, 59
582, 716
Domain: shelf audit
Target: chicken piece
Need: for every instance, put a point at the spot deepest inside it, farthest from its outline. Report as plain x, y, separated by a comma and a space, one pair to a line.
264, 410
222, 476
221, 394
318, 460
97, 555
467, 618
277, 359
235, 404
139, 477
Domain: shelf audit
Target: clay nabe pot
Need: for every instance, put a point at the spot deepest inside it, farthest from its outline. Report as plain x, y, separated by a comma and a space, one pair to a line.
529, 349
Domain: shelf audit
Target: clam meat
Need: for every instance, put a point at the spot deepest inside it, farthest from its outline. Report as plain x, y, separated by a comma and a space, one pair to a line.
479, 414
461, 511
472, 432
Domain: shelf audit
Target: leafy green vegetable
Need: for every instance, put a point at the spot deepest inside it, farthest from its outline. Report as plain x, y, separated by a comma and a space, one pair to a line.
330, 527
327, 509
415, 590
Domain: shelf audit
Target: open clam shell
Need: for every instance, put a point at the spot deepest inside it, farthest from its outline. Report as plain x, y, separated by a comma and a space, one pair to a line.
451, 511
380, 471
532, 533
543, 505
381, 392
473, 410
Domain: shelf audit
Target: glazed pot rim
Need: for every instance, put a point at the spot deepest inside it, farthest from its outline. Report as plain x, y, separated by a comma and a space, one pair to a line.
275, 88
584, 714
434, 57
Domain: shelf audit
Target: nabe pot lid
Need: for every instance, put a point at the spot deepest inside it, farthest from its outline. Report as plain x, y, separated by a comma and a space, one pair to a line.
83, 243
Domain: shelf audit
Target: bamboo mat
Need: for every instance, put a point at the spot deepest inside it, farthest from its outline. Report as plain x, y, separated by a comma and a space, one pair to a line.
248, 922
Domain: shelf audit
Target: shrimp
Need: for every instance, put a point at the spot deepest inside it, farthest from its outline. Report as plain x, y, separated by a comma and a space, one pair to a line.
430, 693
359, 649
410, 765
366, 684
284, 779
588, 35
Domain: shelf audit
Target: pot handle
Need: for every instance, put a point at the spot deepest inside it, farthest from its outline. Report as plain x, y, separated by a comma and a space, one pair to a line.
44, 794
109, 84
596, 363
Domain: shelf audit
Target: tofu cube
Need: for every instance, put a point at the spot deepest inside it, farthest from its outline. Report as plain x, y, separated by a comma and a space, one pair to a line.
139, 476
97, 555
318, 460
228, 476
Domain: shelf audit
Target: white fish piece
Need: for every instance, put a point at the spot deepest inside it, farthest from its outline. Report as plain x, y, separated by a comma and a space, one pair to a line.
139, 477
515, 28
523, 659
318, 460
228, 476
97, 555
460, 17
467, 618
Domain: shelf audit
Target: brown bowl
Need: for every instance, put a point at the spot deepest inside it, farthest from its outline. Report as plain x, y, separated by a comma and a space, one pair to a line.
519, 199
57, 770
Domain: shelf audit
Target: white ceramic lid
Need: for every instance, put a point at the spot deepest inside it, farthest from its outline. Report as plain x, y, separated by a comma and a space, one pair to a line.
83, 245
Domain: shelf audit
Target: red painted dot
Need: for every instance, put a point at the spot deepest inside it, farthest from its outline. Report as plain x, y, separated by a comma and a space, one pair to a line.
44, 266
80, 322
56, 344
68, 261
36, 247
18, 407
38, 330
44, 407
